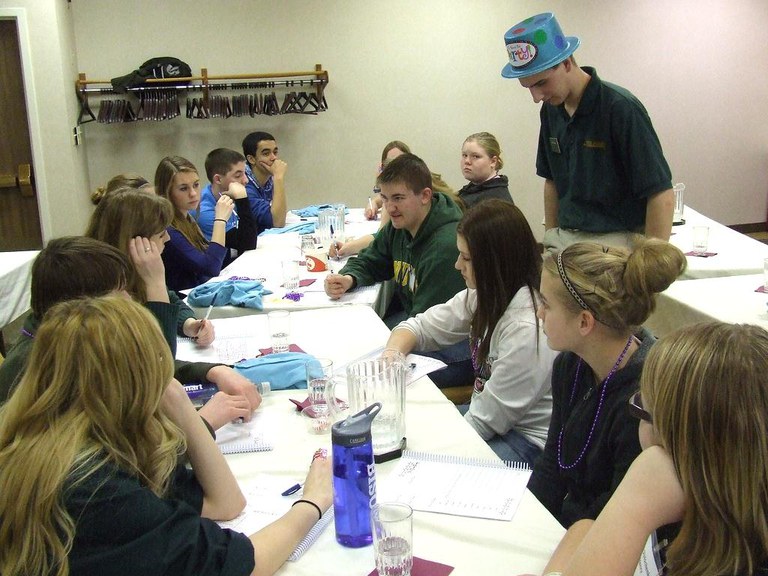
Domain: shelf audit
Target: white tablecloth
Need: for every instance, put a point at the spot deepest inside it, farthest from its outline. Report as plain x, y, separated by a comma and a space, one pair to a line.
736, 253
15, 277
266, 262
728, 299
473, 546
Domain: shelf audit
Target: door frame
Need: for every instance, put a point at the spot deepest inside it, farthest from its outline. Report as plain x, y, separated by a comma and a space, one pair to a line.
33, 115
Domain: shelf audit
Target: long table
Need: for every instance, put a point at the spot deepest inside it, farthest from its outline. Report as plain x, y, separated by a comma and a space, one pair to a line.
473, 546
729, 299
15, 278
265, 262
737, 253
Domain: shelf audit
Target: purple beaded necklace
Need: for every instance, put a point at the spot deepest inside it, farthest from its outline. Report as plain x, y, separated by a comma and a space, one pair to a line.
475, 347
597, 414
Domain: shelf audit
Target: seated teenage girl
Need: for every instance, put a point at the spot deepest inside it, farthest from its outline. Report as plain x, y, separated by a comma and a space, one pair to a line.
135, 222
594, 298
89, 447
702, 406
512, 402
189, 258
480, 164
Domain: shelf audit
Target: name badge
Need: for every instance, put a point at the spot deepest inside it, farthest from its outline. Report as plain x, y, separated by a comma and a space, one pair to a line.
600, 144
554, 145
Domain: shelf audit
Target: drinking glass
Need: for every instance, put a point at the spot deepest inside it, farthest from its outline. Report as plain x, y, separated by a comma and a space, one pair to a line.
290, 275
279, 329
392, 527
700, 239
320, 385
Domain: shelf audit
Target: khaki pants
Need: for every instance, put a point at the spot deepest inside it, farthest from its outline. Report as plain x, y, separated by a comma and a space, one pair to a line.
556, 239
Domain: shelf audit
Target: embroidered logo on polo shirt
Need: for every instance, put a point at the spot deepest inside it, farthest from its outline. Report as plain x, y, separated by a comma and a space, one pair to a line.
595, 144
521, 53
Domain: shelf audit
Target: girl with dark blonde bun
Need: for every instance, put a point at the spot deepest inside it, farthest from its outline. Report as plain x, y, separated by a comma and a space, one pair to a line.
703, 409
89, 450
120, 181
594, 299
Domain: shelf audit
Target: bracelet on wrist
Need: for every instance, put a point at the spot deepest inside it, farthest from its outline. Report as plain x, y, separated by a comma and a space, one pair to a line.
316, 507
219, 220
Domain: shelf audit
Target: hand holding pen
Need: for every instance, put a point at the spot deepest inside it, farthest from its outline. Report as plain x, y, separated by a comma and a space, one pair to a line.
205, 333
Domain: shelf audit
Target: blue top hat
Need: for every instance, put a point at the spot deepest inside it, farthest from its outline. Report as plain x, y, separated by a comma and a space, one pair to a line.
536, 44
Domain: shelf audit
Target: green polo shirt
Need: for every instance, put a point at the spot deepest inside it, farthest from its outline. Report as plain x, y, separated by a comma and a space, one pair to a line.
605, 161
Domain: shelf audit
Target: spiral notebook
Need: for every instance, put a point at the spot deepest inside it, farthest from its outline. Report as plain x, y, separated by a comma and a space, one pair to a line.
265, 504
253, 436
490, 489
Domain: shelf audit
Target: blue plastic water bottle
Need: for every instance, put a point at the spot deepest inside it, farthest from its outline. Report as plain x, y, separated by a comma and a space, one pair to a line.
354, 478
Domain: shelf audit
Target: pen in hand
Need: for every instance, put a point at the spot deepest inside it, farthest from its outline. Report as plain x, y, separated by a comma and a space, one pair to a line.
370, 207
207, 315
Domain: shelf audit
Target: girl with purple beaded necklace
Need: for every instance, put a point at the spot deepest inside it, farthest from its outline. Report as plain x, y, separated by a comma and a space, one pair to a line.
594, 299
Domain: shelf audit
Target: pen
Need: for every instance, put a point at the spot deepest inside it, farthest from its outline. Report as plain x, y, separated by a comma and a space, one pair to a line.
292, 490
207, 314
370, 207
335, 245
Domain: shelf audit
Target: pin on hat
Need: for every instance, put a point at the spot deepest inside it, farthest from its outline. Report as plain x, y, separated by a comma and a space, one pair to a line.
536, 44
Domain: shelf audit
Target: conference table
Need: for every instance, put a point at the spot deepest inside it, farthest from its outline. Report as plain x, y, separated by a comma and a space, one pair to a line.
732, 299
15, 278
265, 263
718, 287
472, 546
735, 253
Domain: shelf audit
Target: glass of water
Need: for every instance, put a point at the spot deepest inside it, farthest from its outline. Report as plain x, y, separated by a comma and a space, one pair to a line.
279, 329
392, 527
290, 275
700, 239
320, 385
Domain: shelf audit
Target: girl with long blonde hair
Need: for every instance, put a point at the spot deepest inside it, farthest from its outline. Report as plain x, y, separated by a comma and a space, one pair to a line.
703, 410
189, 258
89, 460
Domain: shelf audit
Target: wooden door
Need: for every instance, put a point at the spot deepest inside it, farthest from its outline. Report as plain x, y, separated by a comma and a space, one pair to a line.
19, 216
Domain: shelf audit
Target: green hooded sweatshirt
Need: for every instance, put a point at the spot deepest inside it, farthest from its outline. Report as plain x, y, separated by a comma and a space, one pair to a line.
421, 266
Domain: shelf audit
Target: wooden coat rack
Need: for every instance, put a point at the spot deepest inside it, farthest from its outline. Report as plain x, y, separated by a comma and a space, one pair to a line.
158, 98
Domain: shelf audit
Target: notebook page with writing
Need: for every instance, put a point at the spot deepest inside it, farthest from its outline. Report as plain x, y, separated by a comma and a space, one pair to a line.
225, 350
265, 505
253, 436
650, 563
458, 486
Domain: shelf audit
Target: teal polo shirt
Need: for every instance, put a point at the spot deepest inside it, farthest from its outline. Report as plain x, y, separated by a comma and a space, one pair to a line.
605, 161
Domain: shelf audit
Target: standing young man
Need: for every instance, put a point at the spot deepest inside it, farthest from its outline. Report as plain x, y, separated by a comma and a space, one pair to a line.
417, 247
225, 170
605, 173
265, 185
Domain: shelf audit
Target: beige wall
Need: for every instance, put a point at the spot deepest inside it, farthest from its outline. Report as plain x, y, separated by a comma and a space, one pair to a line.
428, 73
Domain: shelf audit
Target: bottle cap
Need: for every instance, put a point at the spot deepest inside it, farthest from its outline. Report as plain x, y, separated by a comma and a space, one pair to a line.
356, 429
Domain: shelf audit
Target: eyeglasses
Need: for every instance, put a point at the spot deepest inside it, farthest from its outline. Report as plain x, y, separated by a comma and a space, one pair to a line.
636, 408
